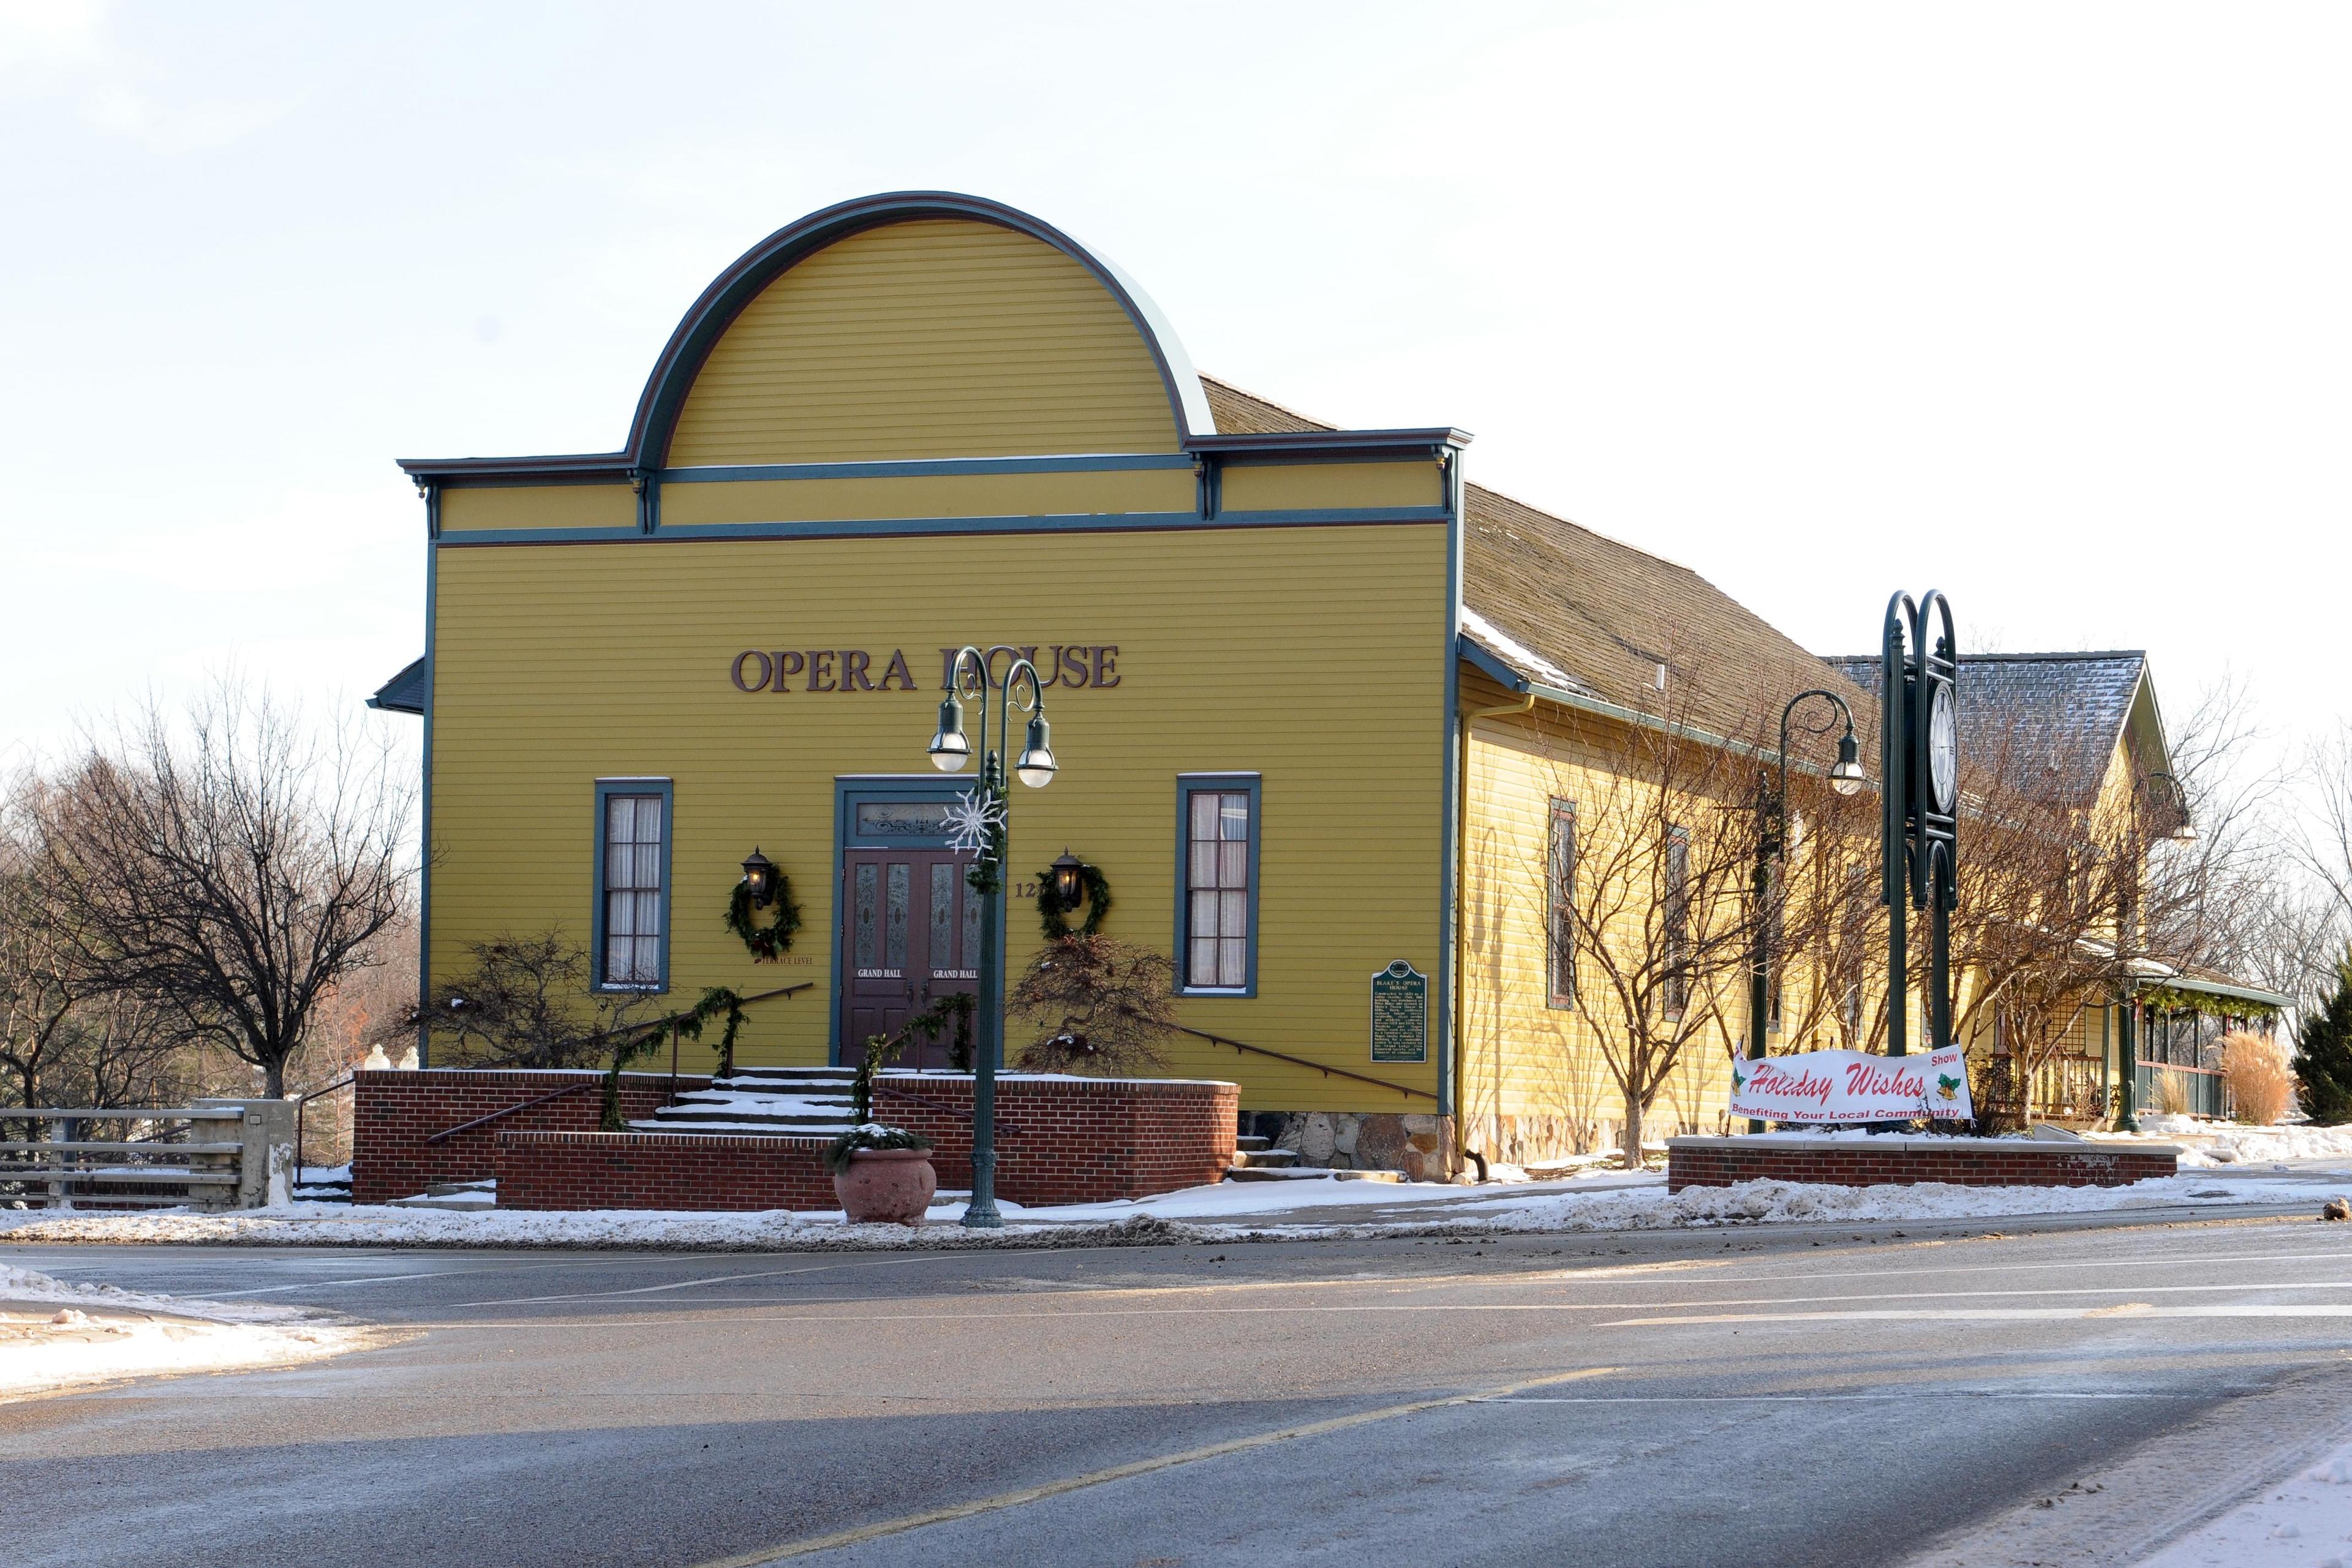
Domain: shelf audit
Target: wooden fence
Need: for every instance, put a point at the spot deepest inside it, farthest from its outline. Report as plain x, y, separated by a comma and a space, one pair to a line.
212, 1154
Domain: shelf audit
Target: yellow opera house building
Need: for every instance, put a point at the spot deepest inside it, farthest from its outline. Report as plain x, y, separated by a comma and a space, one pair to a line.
1309, 691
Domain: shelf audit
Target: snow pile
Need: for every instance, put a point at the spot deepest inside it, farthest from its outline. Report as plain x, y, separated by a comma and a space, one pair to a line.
2297, 1523
2248, 1145
773, 1230
1230, 1211
56, 1335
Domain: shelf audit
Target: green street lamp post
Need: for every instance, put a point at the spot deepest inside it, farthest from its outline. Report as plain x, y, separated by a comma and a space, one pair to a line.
1771, 846
986, 827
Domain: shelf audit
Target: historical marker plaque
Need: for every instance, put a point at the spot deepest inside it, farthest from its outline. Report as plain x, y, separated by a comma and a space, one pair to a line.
1400, 1013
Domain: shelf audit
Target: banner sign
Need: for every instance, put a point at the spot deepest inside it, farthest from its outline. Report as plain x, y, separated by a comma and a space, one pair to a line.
1851, 1085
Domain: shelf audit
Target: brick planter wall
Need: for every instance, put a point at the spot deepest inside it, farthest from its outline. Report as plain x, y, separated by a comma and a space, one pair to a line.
393, 1114
661, 1170
1902, 1162
1058, 1140
1072, 1139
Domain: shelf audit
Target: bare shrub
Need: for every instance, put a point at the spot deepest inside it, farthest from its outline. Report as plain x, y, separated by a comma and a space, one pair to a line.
528, 1001
2259, 1079
1103, 1004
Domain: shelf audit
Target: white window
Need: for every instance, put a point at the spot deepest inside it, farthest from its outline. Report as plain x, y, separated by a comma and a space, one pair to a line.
631, 901
1219, 940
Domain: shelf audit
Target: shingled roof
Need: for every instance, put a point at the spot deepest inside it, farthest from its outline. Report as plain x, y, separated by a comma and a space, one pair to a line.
2069, 708
1565, 606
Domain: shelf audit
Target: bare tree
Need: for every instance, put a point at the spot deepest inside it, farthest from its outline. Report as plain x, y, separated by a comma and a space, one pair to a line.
1654, 905
2323, 836
233, 872
38, 989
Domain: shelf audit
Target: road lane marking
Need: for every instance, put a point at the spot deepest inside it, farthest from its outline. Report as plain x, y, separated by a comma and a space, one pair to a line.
1907, 1397
1039, 1493
1614, 1274
1996, 1314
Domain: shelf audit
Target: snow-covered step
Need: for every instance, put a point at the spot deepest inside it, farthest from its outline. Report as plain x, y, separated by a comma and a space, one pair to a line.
1249, 1142
1265, 1159
805, 1102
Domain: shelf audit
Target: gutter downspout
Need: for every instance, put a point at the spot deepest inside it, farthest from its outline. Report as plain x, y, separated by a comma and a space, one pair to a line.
1526, 704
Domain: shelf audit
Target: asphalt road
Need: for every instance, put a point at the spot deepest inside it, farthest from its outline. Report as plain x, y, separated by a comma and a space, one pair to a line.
1780, 1396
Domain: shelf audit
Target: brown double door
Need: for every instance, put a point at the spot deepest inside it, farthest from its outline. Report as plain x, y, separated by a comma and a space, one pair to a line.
909, 935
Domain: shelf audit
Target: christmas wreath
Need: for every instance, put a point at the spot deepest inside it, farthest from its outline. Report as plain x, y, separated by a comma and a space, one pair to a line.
1094, 889
773, 941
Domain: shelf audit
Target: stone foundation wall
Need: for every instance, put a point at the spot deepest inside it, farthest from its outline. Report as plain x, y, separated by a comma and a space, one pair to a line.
1419, 1146
1901, 1162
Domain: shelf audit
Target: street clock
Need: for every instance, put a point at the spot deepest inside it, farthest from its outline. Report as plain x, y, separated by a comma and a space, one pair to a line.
1919, 741
1943, 751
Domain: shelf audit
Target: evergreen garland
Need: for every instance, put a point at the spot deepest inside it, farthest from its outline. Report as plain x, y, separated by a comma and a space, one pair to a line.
679, 1026
773, 941
2323, 1058
1095, 891
2167, 999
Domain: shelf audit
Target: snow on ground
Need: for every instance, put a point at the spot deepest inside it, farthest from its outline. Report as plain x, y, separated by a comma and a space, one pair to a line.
2208, 1143
2305, 1523
1599, 1201
55, 1335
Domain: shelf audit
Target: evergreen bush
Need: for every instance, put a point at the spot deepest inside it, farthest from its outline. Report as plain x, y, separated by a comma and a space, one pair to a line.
2322, 1057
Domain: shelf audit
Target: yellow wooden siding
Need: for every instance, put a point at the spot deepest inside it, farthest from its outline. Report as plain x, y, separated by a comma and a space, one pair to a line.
538, 506
1523, 1058
1289, 487
927, 495
1239, 650
937, 338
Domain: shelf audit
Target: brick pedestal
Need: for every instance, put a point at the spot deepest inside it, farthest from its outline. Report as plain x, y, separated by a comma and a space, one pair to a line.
1903, 1162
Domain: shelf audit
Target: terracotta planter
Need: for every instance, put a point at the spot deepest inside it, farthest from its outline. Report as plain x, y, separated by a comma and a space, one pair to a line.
887, 1186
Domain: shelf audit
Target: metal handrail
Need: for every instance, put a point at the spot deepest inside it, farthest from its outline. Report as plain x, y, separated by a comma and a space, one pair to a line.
302, 1103
663, 1021
520, 1105
1301, 1061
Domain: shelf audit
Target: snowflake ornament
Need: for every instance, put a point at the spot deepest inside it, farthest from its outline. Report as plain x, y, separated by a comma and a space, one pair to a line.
973, 820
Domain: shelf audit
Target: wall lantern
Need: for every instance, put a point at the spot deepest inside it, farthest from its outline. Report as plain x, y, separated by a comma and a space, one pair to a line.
1069, 883
760, 878
1036, 765
949, 749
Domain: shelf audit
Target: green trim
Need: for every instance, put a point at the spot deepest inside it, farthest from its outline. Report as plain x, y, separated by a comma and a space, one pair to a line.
1187, 784
848, 791
934, 527
917, 467
605, 789
424, 808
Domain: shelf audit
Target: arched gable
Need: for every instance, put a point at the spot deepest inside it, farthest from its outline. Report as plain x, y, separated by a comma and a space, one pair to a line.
917, 326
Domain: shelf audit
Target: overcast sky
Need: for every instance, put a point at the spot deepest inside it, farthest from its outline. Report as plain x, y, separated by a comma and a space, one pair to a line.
2044, 304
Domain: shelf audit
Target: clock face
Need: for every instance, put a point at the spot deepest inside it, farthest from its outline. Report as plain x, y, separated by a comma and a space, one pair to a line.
1943, 749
